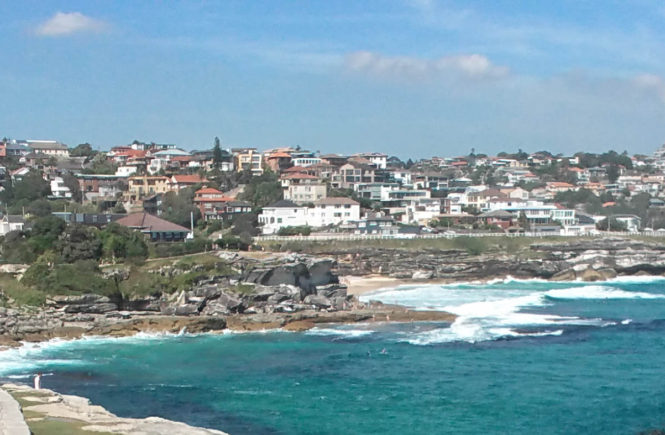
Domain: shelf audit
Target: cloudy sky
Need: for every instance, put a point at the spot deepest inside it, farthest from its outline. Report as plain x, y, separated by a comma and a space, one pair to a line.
408, 77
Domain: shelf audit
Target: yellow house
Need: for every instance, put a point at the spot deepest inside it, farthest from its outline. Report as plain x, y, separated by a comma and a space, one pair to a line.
146, 185
248, 158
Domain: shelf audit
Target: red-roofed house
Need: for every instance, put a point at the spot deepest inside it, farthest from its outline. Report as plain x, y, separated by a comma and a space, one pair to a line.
178, 182
214, 204
278, 161
158, 229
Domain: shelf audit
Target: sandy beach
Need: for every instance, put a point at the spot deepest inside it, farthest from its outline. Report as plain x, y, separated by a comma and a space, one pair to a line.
358, 285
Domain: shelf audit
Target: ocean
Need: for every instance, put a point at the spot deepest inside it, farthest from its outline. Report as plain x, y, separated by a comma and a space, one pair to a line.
522, 357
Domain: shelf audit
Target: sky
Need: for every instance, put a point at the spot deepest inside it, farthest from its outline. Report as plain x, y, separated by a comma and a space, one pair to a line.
412, 78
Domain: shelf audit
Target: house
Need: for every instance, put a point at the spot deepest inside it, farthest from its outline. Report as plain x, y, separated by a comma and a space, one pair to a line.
157, 229
248, 159
17, 150
559, 186
303, 188
141, 186
353, 173
333, 211
375, 224
480, 200
500, 218
10, 223
280, 214
212, 203
90, 219
379, 160
177, 182
59, 190
278, 161
51, 148
94, 186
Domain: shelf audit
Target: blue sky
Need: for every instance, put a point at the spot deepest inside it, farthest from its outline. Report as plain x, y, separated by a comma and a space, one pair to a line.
414, 78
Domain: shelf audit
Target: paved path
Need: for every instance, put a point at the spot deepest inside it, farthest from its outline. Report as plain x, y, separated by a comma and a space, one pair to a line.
11, 418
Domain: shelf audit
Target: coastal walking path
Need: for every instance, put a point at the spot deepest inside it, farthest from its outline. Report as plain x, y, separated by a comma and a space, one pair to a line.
11, 417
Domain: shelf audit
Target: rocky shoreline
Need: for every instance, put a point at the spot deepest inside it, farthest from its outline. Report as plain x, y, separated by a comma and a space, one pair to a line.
296, 292
587, 260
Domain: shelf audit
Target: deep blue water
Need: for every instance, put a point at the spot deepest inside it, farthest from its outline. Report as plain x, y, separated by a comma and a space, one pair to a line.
523, 357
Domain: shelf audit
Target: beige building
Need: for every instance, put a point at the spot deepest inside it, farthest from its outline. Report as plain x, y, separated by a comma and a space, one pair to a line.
147, 185
303, 188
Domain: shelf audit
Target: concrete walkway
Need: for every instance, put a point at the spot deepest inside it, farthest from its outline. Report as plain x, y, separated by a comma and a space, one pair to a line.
11, 418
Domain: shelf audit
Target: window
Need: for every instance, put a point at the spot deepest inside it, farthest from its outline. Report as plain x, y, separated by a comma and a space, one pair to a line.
279, 220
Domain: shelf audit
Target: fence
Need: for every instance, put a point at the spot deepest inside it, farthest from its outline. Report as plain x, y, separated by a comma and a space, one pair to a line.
450, 235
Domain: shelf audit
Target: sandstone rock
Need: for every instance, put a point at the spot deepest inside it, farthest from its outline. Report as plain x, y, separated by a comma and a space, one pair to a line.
565, 275
422, 274
318, 301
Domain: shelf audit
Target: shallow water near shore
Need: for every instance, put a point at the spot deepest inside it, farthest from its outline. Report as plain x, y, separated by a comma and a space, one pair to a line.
522, 356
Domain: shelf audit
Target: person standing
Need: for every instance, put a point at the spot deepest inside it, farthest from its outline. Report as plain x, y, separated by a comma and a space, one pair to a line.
38, 381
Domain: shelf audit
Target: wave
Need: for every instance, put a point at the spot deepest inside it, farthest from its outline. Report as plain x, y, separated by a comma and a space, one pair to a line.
340, 332
599, 292
489, 312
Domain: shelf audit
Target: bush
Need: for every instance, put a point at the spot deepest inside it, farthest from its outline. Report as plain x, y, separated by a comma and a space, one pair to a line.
160, 250
295, 231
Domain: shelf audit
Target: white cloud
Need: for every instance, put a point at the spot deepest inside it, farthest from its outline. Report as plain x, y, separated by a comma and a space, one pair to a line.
67, 23
464, 66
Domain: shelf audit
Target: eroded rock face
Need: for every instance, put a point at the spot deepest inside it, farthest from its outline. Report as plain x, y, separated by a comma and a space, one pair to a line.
600, 258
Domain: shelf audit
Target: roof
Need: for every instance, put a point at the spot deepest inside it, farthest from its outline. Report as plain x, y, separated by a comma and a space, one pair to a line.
299, 177
279, 155
148, 222
497, 214
284, 203
209, 191
295, 169
239, 204
14, 219
336, 201
191, 179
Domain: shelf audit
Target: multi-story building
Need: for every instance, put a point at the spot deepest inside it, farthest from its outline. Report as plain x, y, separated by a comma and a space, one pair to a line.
141, 186
303, 188
248, 159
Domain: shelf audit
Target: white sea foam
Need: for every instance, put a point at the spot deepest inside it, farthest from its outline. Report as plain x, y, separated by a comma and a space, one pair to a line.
485, 312
343, 333
599, 292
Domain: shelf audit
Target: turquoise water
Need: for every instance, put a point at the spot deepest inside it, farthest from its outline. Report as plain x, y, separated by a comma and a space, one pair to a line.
523, 357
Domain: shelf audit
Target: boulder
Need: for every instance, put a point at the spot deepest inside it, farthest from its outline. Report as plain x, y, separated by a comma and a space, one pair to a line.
99, 308
565, 275
422, 274
318, 301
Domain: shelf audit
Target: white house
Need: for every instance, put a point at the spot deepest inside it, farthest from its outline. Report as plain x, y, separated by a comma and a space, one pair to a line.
59, 190
379, 160
333, 211
283, 213
11, 223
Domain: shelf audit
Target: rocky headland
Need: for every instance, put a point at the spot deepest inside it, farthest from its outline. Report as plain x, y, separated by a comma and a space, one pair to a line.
293, 292
299, 291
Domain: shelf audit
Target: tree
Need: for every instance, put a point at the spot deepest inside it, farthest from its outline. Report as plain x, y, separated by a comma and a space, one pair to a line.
121, 242
177, 207
262, 190
78, 243
82, 150
612, 173
217, 154
73, 184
